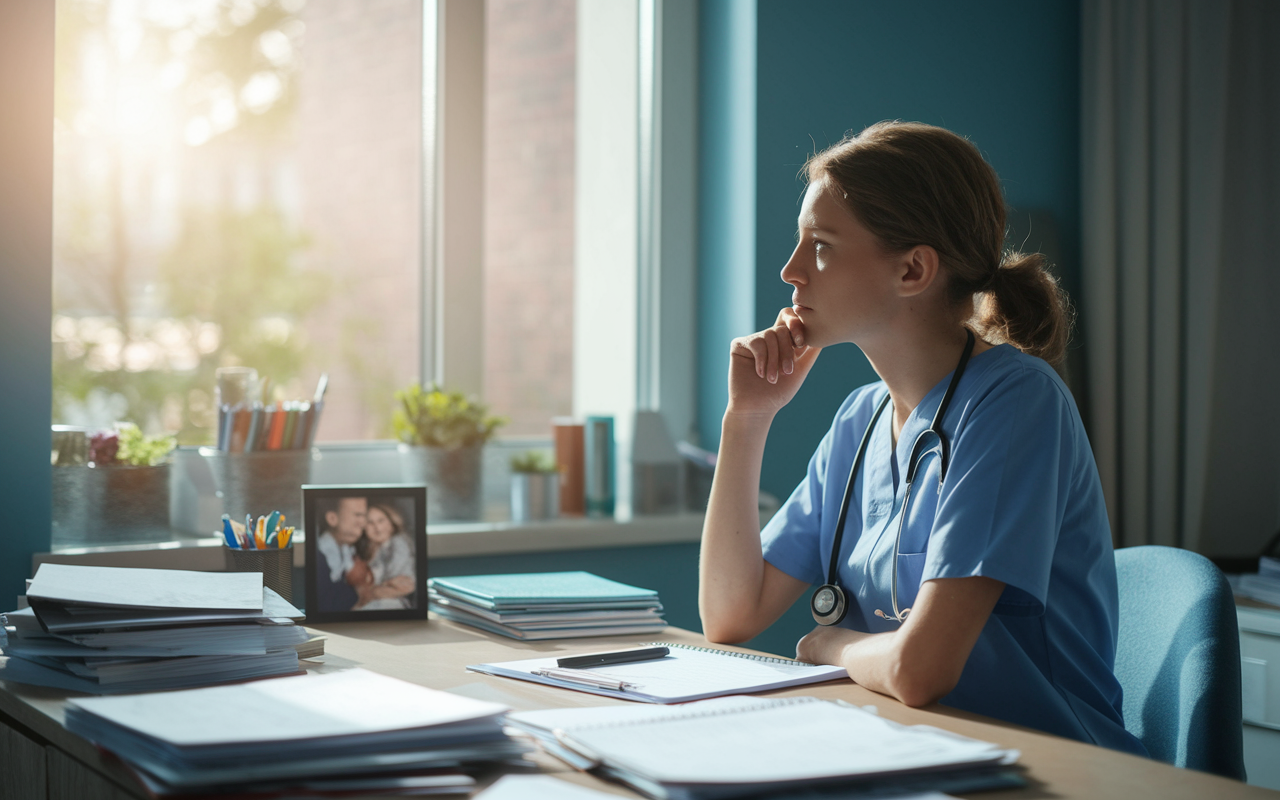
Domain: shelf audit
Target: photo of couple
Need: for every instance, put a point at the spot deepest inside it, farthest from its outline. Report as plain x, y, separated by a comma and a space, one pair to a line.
365, 559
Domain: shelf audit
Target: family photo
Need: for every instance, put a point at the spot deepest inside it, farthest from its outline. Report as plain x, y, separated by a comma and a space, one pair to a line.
369, 551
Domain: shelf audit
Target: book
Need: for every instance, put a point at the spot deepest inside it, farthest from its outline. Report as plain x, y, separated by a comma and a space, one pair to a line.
307, 727
543, 590
687, 673
737, 746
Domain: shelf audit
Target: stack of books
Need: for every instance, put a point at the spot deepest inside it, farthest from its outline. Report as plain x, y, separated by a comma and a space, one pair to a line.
107, 630
1263, 587
352, 731
547, 605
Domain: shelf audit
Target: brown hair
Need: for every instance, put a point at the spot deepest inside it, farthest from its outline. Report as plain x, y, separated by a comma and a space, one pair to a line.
364, 545
912, 184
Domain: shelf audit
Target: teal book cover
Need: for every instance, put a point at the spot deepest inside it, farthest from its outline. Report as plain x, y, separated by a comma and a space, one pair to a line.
540, 587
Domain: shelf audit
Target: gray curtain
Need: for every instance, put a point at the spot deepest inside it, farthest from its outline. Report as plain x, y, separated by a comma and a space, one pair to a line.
1181, 301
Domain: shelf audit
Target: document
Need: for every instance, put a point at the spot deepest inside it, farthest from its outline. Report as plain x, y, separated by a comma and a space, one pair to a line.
66, 584
687, 673
741, 745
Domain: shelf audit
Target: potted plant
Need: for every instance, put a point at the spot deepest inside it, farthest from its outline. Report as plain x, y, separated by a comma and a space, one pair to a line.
120, 495
535, 486
442, 435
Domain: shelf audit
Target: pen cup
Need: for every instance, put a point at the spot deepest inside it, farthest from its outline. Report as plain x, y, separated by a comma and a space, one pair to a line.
276, 566
259, 483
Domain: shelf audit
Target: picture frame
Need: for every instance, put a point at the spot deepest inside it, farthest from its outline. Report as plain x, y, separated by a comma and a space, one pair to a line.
363, 541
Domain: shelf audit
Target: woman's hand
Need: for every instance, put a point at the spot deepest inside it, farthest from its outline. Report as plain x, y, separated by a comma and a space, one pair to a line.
359, 574
767, 368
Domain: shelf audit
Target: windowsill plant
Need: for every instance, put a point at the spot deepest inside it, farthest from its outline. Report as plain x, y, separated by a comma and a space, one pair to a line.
442, 435
535, 486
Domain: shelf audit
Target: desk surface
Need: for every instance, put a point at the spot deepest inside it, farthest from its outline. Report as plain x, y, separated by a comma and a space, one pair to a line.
435, 653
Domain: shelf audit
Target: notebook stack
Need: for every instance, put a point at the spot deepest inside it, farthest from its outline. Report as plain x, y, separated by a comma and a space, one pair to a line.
348, 731
108, 630
547, 605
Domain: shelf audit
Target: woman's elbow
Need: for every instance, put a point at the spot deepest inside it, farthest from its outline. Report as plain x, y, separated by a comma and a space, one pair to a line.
720, 629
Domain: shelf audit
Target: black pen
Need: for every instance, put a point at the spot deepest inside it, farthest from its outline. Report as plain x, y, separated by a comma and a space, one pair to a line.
620, 657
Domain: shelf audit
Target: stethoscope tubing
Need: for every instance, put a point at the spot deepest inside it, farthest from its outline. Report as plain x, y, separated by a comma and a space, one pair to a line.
918, 450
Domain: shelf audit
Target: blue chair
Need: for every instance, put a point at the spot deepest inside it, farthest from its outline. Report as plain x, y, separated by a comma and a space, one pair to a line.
1178, 659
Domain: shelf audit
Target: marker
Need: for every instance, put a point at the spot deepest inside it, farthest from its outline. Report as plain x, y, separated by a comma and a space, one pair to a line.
229, 533
619, 657
585, 679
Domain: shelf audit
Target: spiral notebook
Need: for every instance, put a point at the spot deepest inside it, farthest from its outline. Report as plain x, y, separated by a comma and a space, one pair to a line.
734, 746
687, 673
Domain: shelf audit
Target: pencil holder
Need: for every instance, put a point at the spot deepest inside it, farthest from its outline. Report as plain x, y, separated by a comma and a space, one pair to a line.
276, 566
259, 483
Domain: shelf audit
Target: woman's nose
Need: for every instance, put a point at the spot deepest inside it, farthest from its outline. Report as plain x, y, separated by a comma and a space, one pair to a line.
792, 272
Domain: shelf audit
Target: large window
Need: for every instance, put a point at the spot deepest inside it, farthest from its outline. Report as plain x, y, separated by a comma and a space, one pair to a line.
285, 184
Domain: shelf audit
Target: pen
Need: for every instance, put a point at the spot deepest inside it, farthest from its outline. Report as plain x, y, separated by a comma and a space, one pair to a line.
619, 657
585, 678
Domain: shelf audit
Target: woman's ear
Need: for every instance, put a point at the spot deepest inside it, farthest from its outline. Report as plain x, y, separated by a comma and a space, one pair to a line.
919, 270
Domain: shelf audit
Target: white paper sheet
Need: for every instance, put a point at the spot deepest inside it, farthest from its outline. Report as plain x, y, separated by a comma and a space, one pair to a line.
147, 588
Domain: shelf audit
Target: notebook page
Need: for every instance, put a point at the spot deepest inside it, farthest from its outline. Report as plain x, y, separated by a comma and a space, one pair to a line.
776, 743
685, 674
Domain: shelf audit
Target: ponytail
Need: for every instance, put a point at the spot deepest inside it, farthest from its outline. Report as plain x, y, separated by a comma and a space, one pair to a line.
1025, 306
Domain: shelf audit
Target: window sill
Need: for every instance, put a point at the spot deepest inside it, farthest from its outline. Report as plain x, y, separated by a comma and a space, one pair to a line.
456, 540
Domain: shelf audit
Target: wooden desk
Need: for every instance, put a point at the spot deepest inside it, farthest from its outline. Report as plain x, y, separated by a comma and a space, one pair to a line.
434, 654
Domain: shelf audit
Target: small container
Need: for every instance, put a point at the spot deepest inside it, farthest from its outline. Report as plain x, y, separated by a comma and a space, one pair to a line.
275, 564
534, 496
256, 483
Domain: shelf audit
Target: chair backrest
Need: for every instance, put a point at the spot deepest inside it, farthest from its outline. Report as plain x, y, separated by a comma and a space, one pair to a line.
1178, 659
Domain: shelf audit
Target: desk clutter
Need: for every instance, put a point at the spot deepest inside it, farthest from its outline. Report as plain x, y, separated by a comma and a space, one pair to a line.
546, 605
347, 731
113, 630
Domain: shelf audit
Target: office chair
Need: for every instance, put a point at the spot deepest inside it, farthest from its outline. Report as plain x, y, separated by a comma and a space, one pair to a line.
1178, 659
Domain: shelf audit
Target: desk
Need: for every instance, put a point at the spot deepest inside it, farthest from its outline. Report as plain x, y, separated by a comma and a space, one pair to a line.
434, 653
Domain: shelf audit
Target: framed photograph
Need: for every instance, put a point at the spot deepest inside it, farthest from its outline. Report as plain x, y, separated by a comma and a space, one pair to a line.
366, 552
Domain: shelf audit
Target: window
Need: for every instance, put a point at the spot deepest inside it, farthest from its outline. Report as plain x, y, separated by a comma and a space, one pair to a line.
235, 183
307, 188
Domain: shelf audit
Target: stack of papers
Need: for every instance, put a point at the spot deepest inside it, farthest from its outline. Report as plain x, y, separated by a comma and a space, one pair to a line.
345, 731
107, 630
739, 746
547, 605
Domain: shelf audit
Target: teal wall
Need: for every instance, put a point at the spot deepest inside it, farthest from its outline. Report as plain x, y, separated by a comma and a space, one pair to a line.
1002, 72
26, 256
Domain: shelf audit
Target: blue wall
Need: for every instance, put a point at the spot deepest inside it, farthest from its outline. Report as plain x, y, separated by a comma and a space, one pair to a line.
26, 256
1001, 72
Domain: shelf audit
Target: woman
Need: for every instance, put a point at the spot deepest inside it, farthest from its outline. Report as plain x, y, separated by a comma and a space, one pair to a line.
388, 551
998, 593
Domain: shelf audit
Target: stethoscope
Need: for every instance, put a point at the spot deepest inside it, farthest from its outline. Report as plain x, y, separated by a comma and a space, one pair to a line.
828, 603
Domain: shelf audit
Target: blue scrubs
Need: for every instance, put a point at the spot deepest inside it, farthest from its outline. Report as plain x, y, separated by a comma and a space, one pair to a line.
1021, 503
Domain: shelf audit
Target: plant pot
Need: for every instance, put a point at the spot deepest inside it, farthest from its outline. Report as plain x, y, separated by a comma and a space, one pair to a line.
110, 505
262, 482
534, 496
451, 475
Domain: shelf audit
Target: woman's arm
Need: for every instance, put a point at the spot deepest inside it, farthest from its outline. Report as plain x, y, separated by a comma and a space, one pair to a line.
739, 594
920, 662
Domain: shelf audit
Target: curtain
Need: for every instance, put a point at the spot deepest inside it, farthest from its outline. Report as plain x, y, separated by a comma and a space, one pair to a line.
1180, 316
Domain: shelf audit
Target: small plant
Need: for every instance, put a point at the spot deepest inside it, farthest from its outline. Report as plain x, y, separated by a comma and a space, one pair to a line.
128, 446
432, 417
533, 461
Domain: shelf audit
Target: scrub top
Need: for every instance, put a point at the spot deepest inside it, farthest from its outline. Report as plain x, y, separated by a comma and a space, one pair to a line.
1021, 503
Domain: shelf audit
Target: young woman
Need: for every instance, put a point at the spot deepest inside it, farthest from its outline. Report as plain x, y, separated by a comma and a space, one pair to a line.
388, 550
952, 516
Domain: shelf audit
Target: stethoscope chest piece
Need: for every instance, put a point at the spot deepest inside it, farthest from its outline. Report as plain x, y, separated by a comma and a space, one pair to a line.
828, 604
